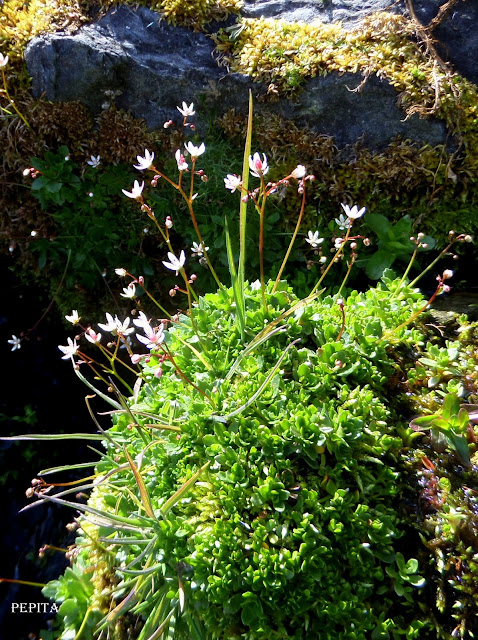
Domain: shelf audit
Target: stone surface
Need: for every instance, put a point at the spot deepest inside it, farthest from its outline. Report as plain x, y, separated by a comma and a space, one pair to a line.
349, 12
456, 35
151, 67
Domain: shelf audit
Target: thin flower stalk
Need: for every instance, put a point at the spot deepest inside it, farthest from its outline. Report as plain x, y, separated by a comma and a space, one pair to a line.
291, 244
332, 261
459, 238
11, 101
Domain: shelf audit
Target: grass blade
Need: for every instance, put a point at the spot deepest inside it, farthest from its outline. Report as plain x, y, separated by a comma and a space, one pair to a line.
141, 486
182, 490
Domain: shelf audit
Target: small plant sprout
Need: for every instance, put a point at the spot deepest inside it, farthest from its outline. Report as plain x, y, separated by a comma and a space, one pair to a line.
450, 428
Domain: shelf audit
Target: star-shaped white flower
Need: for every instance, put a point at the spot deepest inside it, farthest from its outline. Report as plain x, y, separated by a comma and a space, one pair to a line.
195, 151
153, 337
74, 318
129, 291
142, 320
198, 249
313, 239
182, 164
145, 162
115, 326
175, 264
232, 182
353, 213
186, 111
342, 222
92, 336
3, 63
136, 192
94, 161
257, 166
14, 341
70, 350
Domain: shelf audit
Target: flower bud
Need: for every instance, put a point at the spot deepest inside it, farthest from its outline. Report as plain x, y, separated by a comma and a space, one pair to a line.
448, 273
468, 238
168, 222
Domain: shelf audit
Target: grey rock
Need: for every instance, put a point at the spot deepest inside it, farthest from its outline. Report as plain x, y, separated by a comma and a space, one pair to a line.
149, 67
456, 36
349, 12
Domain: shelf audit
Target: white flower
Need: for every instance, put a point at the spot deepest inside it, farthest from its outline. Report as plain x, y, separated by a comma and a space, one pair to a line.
338, 243
299, 172
136, 191
195, 151
15, 342
69, 350
94, 161
145, 162
120, 272
116, 326
174, 263
342, 222
313, 239
74, 318
93, 337
182, 164
257, 166
129, 291
153, 337
198, 249
3, 63
232, 182
353, 213
186, 111
142, 320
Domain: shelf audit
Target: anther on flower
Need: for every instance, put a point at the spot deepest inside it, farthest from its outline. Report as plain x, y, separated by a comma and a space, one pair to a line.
92, 336
186, 111
69, 350
74, 318
136, 192
257, 166
144, 162
181, 162
353, 213
94, 161
14, 341
129, 291
232, 182
198, 249
195, 151
299, 172
120, 272
313, 239
175, 264
3, 61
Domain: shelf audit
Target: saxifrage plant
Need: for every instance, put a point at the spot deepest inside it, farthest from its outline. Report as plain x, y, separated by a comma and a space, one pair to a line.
249, 482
